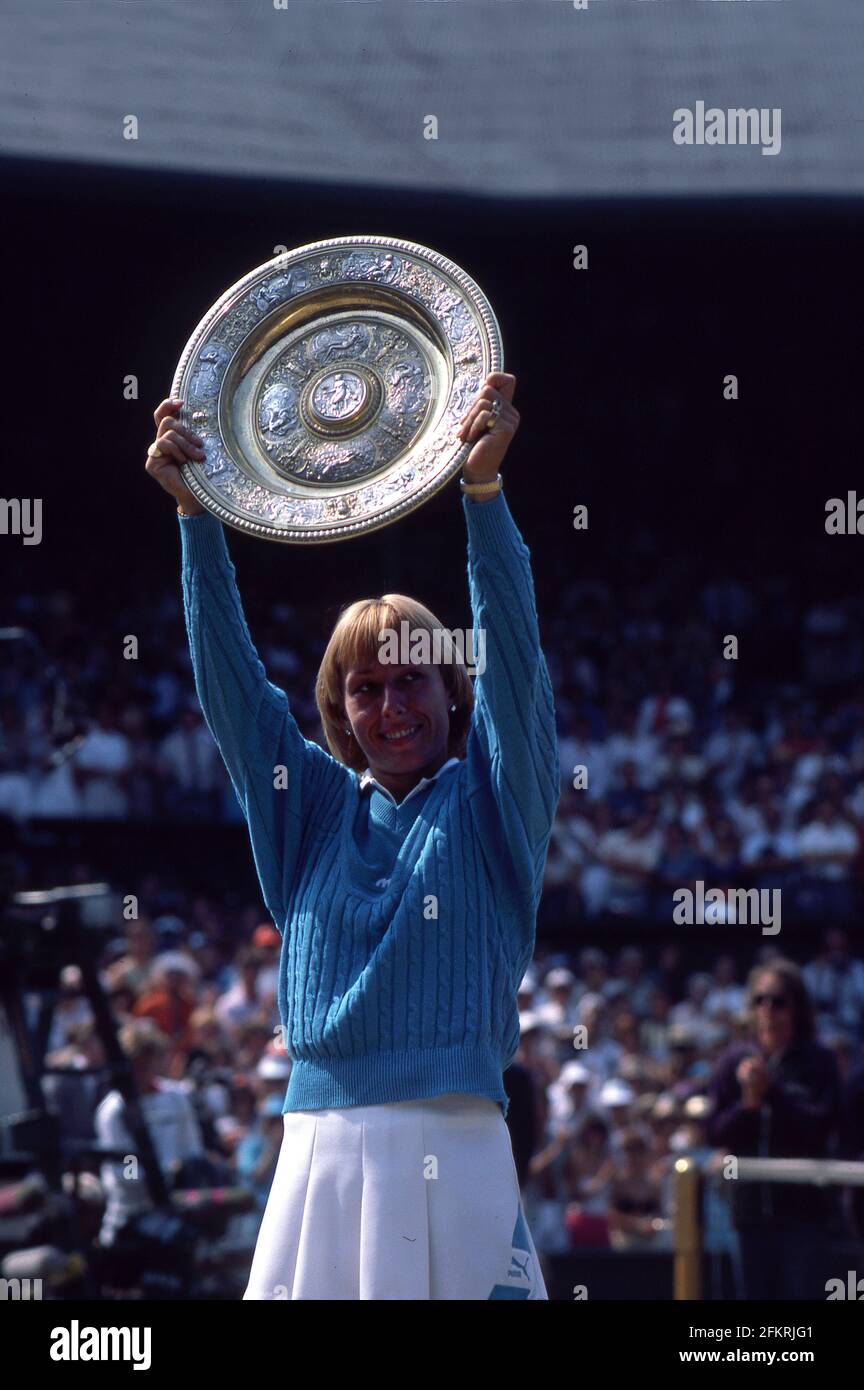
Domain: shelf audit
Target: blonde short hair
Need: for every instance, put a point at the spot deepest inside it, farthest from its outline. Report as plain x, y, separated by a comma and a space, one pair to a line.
356, 641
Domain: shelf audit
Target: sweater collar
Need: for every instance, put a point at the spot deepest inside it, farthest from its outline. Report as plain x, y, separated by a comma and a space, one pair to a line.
368, 780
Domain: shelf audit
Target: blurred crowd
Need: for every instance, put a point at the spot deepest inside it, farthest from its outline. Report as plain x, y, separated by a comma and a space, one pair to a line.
670, 772
616, 1075
676, 770
636, 1063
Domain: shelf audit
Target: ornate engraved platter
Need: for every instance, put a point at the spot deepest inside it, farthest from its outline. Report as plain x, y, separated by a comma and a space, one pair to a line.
328, 385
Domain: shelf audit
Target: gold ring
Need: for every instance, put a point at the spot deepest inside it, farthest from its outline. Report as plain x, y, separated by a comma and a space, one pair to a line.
154, 452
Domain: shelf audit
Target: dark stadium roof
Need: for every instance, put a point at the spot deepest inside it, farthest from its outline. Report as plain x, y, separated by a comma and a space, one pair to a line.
532, 97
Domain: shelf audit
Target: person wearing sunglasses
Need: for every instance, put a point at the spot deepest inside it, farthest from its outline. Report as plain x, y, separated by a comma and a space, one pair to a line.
778, 1096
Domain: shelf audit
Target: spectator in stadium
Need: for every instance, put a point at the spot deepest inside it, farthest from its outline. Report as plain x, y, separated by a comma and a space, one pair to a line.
101, 766
722, 851
691, 1014
770, 852
70, 1096
242, 1002
681, 763
258, 1149
526, 995
679, 865
169, 1116
561, 899
631, 855
71, 1006
626, 797
170, 1000
635, 1196
571, 1096
615, 1101
827, 848
726, 998
631, 975
682, 1077
191, 770
268, 943
836, 985
588, 1177
593, 972
626, 744
597, 1048
135, 965
654, 1029
778, 1097
665, 712
560, 1012
732, 750
584, 750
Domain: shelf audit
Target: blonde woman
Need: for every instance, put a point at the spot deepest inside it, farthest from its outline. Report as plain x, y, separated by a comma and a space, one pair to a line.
403, 869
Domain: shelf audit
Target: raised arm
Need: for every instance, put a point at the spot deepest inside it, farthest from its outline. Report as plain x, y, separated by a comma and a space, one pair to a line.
512, 750
248, 716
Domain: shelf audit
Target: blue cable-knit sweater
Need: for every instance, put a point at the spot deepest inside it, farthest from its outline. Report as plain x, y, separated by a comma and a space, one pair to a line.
406, 928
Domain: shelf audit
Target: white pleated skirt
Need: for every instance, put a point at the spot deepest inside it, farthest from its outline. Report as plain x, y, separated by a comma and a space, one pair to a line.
412, 1200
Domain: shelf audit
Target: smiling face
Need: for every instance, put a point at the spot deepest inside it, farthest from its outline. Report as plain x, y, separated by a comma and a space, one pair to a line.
400, 717
399, 708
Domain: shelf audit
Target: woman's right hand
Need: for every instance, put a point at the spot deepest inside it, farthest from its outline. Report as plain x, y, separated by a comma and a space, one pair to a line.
178, 445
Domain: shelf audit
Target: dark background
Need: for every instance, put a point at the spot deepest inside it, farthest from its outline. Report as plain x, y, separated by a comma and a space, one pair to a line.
620, 372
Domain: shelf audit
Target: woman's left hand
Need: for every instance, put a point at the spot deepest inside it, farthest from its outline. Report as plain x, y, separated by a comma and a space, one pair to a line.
491, 445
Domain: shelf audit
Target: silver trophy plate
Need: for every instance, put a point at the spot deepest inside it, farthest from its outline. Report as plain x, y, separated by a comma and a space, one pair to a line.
328, 386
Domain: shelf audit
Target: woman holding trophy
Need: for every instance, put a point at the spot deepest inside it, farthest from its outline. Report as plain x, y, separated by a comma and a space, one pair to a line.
403, 869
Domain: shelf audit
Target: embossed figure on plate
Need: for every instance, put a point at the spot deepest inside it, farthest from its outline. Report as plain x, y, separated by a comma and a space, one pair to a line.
367, 265
280, 288
334, 343
339, 395
278, 411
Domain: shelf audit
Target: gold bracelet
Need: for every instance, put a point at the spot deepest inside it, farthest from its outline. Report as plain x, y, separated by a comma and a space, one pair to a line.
482, 489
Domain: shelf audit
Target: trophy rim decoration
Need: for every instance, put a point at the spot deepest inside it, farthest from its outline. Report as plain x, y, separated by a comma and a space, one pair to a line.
431, 457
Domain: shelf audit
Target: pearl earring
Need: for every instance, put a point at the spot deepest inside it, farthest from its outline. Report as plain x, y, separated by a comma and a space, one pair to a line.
452, 709
348, 731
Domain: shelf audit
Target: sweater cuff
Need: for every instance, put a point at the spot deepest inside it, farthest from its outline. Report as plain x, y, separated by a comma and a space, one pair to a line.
490, 524
202, 539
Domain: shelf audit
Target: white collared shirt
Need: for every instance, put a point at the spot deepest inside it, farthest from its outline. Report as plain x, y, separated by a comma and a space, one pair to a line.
368, 780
